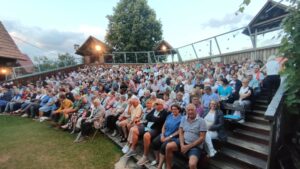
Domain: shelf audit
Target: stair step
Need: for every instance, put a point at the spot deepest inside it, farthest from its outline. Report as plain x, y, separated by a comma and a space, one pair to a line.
260, 128
252, 136
224, 162
261, 101
250, 161
251, 148
258, 112
260, 107
256, 119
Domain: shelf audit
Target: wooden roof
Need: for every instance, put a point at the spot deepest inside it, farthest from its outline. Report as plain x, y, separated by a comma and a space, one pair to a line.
158, 48
88, 47
269, 17
8, 48
26, 63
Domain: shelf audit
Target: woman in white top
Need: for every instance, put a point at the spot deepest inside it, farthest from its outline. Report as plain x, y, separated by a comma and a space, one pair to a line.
244, 100
215, 124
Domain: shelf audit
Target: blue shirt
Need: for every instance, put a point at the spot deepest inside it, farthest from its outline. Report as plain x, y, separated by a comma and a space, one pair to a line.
224, 91
206, 99
192, 130
172, 124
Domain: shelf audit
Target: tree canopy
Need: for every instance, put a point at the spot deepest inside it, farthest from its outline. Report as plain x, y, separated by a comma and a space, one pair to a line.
133, 27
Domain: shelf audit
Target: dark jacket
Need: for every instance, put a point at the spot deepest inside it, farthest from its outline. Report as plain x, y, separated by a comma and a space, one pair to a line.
158, 121
218, 125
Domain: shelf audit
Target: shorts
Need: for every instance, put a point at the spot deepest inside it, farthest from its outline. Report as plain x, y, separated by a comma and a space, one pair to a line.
153, 133
195, 151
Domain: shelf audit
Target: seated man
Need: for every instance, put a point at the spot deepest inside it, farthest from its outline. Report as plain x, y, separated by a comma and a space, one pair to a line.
192, 131
254, 84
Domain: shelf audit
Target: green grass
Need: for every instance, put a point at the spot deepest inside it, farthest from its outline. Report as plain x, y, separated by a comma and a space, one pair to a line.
27, 144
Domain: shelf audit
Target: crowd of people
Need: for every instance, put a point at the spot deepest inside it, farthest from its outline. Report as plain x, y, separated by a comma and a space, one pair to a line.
170, 107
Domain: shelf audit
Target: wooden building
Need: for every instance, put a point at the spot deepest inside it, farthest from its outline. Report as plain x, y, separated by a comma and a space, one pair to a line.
93, 50
10, 55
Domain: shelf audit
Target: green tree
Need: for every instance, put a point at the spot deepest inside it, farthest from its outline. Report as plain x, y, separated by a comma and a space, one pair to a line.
291, 50
133, 27
45, 63
66, 59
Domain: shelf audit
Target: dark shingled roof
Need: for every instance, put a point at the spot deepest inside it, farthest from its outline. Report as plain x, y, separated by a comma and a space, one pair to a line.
8, 48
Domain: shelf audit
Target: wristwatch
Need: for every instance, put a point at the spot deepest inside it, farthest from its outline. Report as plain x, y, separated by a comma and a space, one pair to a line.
171, 136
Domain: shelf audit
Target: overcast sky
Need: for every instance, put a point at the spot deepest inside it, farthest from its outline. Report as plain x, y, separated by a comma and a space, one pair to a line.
56, 25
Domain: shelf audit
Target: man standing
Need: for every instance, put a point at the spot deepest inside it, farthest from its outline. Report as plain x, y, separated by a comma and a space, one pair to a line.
192, 131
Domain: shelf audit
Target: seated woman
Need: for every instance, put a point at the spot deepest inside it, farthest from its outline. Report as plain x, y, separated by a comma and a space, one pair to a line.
93, 120
169, 132
14, 103
45, 111
224, 90
244, 101
146, 111
129, 117
114, 114
58, 115
149, 130
215, 125
78, 103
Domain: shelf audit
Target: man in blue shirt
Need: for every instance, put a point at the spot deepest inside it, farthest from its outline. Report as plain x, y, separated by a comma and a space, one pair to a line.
208, 97
192, 131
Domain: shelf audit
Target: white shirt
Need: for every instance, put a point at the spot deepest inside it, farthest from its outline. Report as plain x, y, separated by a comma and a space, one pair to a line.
272, 67
210, 119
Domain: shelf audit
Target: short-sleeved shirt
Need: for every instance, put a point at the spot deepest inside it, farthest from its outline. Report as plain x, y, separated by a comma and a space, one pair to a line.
172, 124
224, 91
191, 130
206, 99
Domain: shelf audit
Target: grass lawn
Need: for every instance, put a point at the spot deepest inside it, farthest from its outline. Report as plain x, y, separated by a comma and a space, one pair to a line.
27, 144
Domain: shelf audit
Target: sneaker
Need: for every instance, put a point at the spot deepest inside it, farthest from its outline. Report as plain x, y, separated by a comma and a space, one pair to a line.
131, 153
142, 161
154, 162
65, 126
25, 115
43, 119
125, 149
114, 133
213, 153
241, 121
72, 132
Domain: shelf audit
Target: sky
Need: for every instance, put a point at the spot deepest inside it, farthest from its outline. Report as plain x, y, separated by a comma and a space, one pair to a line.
41, 27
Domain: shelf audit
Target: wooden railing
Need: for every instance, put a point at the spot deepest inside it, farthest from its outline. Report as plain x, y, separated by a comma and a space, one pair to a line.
278, 119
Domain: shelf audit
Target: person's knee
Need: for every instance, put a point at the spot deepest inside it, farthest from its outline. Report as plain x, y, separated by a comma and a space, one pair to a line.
135, 130
170, 147
193, 160
147, 136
